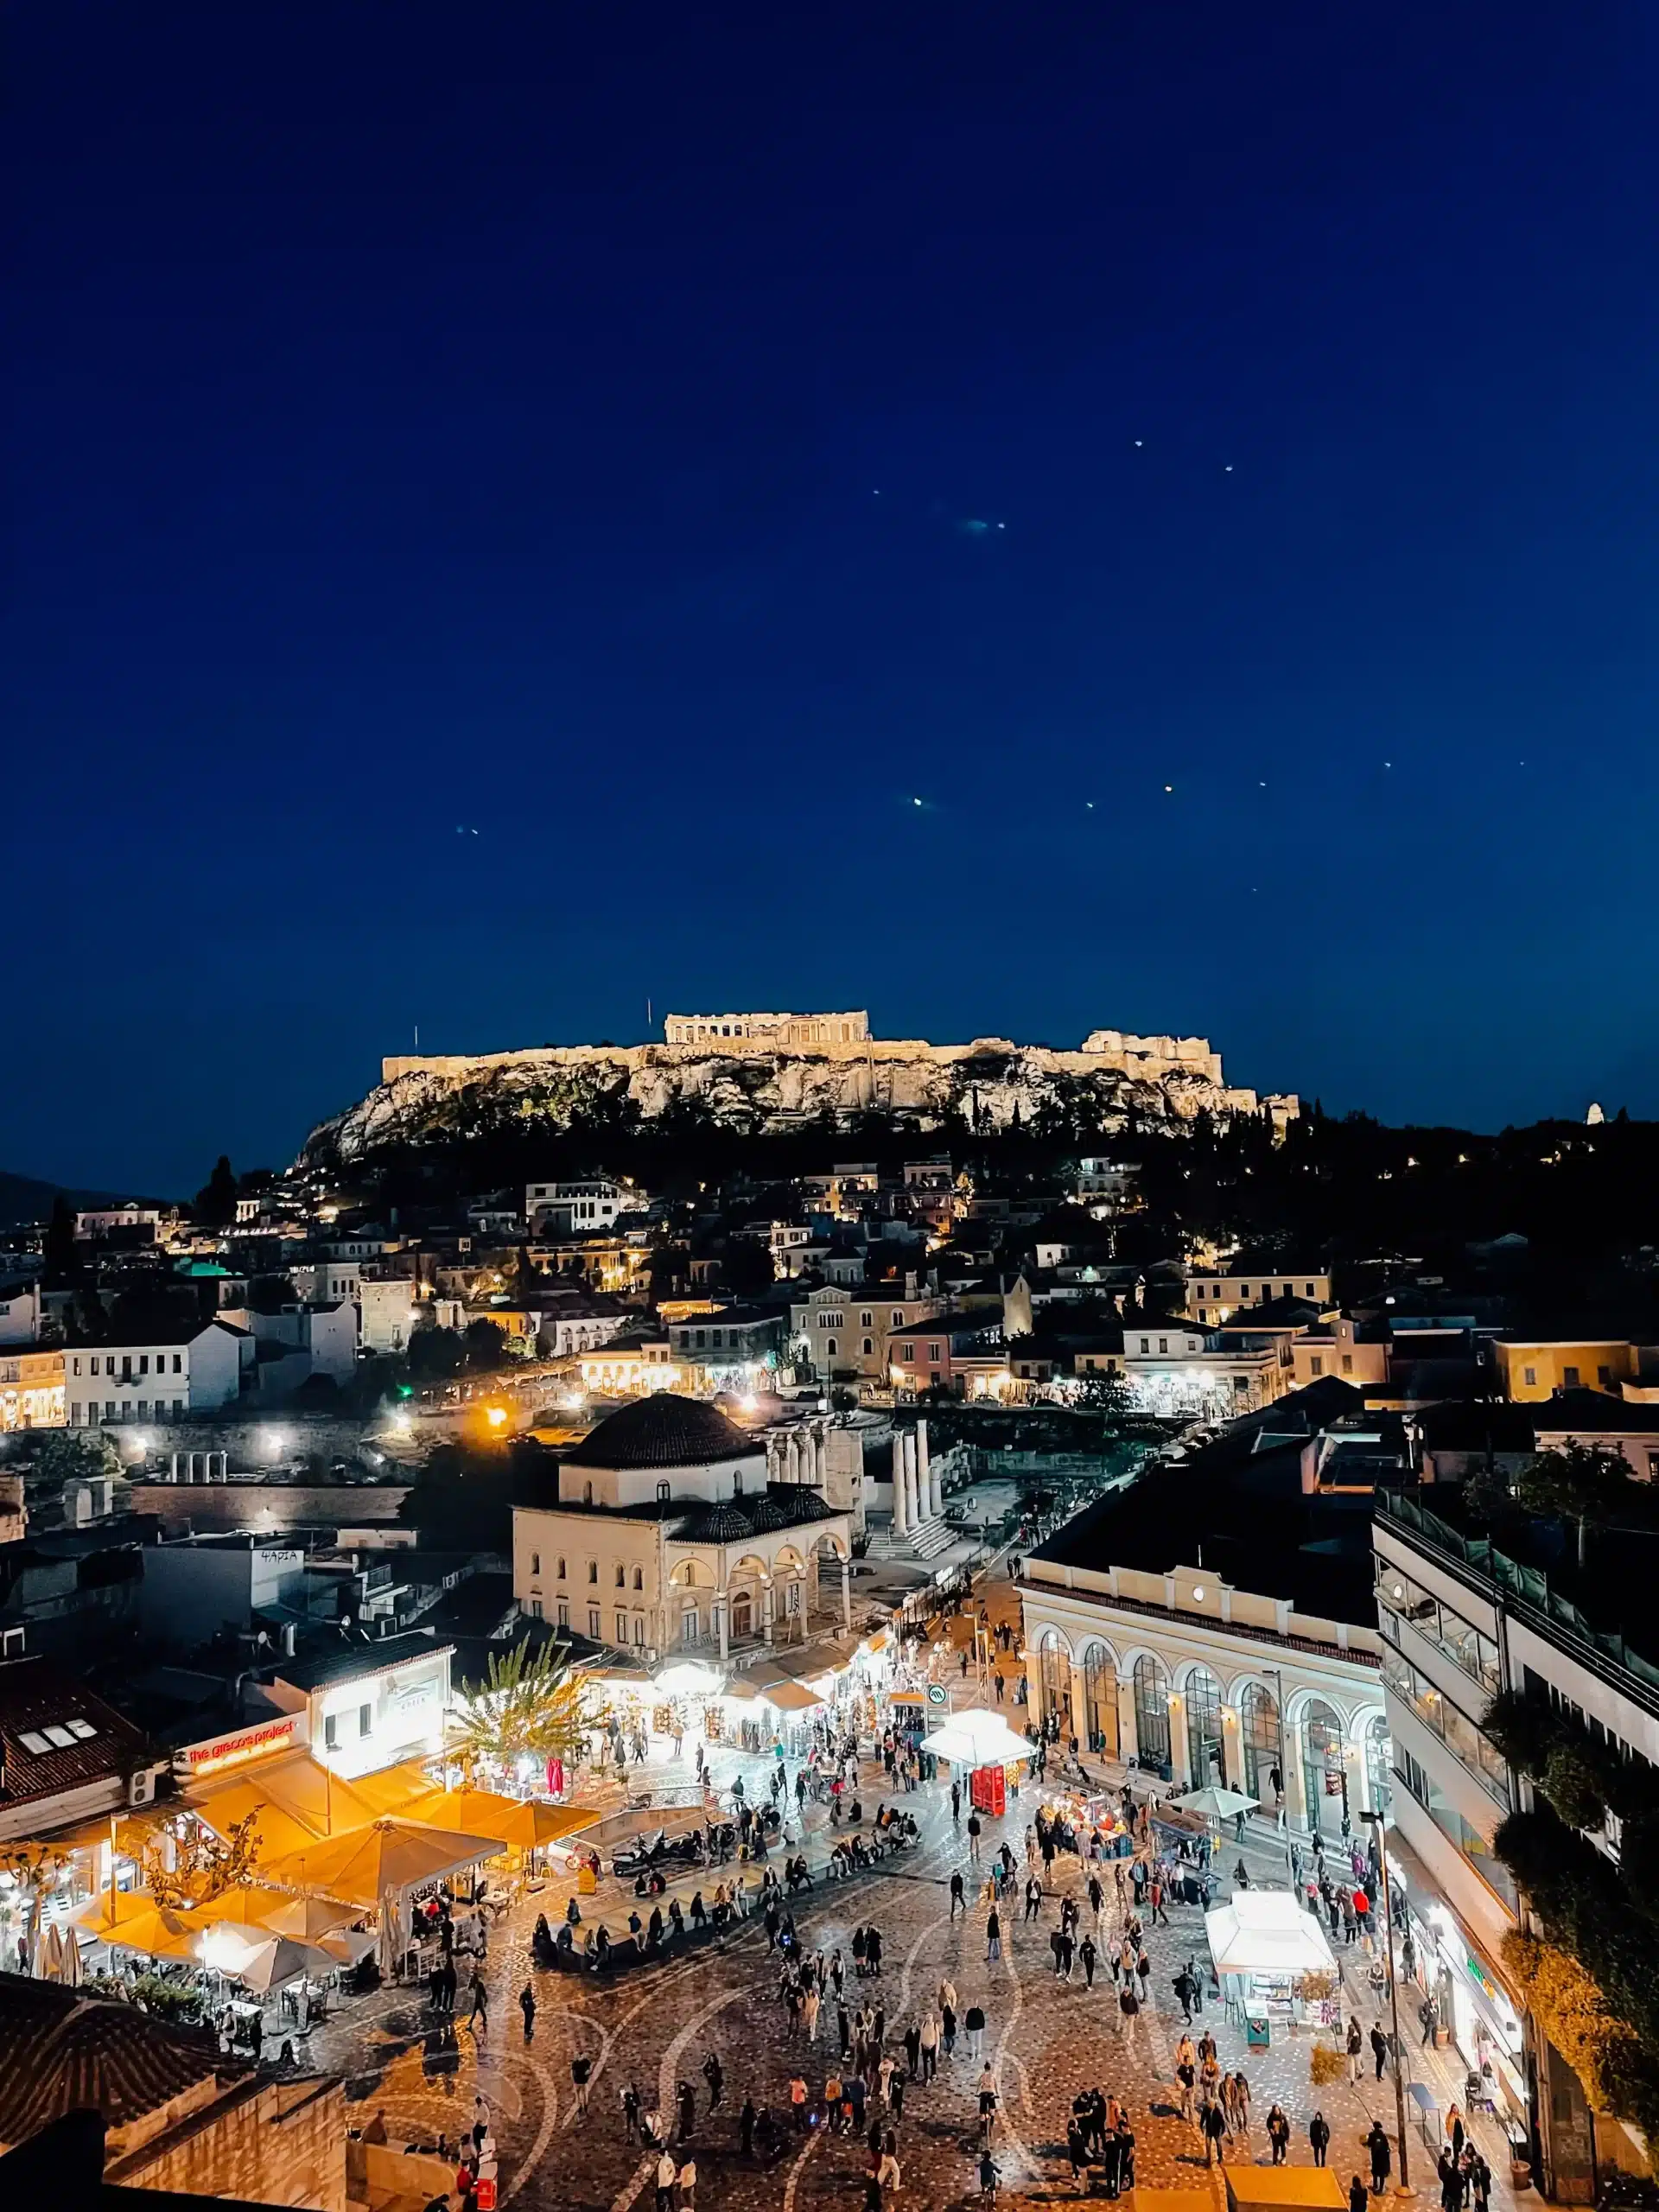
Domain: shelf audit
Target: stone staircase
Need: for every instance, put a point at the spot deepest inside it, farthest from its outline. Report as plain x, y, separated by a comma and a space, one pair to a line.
933, 1538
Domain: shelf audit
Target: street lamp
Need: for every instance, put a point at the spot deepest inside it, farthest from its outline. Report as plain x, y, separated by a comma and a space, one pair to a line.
1376, 1818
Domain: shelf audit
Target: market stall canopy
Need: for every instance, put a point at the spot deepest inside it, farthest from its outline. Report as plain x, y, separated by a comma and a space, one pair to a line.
1216, 1803
976, 1739
1265, 1931
525, 1823
386, 1858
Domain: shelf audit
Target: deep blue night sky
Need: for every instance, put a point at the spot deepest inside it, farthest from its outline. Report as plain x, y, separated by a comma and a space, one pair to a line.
562, 422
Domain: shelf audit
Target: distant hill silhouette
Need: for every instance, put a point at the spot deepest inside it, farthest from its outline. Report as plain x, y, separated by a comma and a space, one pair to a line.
25, 1197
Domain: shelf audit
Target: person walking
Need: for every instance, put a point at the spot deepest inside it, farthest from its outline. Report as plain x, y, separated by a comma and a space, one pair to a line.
958, 1899
974, 2021
993, 1936
928, 2042
688, 2186
1278, 2134
581, 2072
1214, 2124
714, 2074
1356, 2045
955, 1801
1128, 2012
667, 2175
973, 1833
527, 2006
1379, 2049
480, 2002
1088, 1954
1318, 2137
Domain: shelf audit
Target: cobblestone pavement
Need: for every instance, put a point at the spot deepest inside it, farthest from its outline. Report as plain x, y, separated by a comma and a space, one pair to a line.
1047, 2040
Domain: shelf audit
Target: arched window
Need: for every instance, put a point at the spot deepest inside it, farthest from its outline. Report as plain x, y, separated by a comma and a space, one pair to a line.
639, 1578
1379, 1764
1324, 1778
1056, 1664
561, 1573
1204, 1755
621, 1575
1259, 1735
1152, 1713
1100, 1699
593, 1570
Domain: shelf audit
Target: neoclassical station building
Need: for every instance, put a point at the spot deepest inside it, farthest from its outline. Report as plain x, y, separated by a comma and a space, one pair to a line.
1205, 1629
666, 1536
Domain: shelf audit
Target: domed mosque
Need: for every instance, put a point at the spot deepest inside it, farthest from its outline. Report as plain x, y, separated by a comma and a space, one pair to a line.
667, 1536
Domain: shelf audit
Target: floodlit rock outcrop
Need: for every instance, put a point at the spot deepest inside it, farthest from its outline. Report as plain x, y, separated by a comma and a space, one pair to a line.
993, 1082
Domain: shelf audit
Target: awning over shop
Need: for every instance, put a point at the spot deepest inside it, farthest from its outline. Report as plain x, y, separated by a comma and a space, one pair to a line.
791, 1697
1265, 1931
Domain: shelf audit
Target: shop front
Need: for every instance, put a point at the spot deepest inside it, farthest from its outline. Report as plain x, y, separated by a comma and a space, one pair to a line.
1438, 1964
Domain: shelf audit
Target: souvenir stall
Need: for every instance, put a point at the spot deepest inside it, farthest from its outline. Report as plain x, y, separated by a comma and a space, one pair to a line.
1275, 1968
1088, 1821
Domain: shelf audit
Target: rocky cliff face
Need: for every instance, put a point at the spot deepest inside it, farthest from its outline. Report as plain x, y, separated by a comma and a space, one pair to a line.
444, 1101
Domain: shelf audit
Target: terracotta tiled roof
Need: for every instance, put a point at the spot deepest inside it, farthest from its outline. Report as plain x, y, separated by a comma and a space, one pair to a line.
62, 2052
36, 1696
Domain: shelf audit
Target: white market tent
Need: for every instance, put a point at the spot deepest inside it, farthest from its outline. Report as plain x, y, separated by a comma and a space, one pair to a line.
1266, 1932
976, 1738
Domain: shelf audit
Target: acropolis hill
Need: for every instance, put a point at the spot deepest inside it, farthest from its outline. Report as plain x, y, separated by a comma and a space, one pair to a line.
774, 1071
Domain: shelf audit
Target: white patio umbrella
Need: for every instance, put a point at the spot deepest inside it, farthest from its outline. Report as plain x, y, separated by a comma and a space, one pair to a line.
976, 1738
277, 1960
69, 1968
1216, 1803
50, 1954
348, 1947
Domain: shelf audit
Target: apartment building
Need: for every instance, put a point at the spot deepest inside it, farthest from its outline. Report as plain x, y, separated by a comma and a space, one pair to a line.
1464, 1618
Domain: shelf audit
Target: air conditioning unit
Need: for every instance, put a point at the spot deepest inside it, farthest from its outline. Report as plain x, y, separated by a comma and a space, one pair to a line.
141, 1789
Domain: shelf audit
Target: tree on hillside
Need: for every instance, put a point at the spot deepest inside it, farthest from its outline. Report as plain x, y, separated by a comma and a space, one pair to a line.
62, 1261
216, 1200
746, 1265
487, 1346
73, 1455
435, 1355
